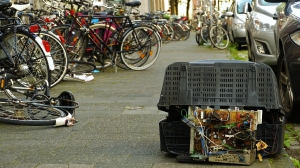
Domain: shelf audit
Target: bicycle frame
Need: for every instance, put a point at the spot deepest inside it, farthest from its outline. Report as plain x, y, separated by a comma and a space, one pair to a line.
110, 23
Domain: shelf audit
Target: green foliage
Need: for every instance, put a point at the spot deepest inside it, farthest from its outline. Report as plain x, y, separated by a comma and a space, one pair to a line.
271, 160
289, 135
295, 162
235, 54
287, 141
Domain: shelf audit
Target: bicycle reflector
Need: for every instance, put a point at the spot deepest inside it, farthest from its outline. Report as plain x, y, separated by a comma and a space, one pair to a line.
72, 11
2, 82
46, 45
34, 28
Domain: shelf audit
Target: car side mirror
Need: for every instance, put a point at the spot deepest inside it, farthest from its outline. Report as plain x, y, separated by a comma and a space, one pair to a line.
228, 14
247, 8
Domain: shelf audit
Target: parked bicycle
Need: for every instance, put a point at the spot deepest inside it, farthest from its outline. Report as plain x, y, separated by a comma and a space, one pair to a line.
26, 62
112, 42
213, 32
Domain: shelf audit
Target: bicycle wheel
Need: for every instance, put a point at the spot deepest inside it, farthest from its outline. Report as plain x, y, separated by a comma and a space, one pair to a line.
177, 31
75, 41
29, 114
77, 67
171, 32
164, 33
140, 47
59, 56
186, 31
204, 34
31, 65
219, 37
199, 39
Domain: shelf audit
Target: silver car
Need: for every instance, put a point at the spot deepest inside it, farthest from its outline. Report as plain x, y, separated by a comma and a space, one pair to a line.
259, 31
236, 22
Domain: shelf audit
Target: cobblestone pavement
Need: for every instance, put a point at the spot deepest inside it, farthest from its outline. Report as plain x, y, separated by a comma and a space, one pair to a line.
118, 122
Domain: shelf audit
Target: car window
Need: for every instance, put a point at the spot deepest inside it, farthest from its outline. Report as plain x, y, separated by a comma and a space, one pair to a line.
264, 3
240, 5
297, 6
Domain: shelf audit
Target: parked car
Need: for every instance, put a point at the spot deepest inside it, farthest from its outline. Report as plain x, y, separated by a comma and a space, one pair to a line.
259, 31
236, 22
287, 51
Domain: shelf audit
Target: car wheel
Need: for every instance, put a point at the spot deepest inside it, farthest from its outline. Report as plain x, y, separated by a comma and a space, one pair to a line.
286, 92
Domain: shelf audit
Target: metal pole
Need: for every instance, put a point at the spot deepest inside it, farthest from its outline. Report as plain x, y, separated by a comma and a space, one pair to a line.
211, 12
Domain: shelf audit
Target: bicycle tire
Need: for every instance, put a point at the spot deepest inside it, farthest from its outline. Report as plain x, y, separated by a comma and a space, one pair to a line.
120, 63
204, 34
177, 31
132, 44
59, 55
199, 39
186, 31
140, 47
163, 33
78, 67
171, 32
219, 37
31, 62
29, 114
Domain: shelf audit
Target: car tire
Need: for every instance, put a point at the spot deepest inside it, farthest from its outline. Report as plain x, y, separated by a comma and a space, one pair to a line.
286, 93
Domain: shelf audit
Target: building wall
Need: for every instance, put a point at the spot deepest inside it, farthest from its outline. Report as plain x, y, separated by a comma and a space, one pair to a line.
182, 8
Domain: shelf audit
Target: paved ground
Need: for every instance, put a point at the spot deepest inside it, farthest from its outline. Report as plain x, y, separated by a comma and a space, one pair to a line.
118, 122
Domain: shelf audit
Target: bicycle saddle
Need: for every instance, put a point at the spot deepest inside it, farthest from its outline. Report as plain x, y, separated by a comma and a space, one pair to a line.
5, 4
133, 4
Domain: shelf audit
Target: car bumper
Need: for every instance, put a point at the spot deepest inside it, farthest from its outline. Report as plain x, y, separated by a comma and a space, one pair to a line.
264, 48
239, 36
239, 33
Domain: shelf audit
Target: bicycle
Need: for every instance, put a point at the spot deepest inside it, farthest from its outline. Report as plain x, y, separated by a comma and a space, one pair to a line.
24, 55
213, 32
57, 51
40, 109
218, 35
112, 40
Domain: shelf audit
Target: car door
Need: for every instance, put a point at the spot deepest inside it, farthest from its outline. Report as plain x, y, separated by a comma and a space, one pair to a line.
230, 23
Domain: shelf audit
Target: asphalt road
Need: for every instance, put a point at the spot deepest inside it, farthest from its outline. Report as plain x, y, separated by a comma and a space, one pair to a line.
118, 122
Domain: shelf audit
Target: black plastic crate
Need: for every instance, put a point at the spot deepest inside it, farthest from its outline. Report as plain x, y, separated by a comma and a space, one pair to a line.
273, 135
174, 137
219, 83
